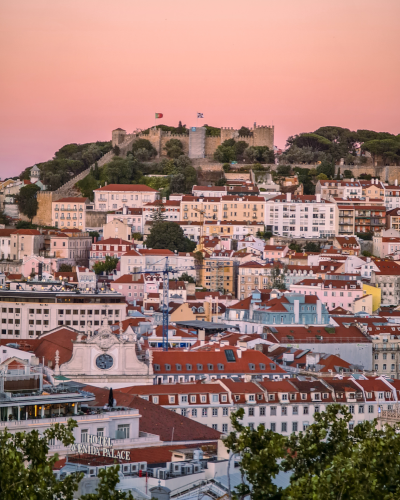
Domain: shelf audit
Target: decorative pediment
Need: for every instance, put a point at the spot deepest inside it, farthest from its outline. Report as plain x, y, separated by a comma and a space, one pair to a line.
104, 338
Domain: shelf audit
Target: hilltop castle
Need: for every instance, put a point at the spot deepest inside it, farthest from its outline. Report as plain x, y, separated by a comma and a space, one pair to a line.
196, 144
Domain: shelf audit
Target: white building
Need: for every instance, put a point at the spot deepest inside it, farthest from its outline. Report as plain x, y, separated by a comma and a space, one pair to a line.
115, 196
133, 217
301, 216
27, 312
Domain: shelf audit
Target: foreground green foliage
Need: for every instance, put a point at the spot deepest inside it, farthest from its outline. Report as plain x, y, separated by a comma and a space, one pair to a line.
327, 461
26, 471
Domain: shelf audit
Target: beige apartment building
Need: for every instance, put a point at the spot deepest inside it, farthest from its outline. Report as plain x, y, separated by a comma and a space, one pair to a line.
25, 243
227, 208
117, 229
115, 196
338, 189
234, 229
69, 213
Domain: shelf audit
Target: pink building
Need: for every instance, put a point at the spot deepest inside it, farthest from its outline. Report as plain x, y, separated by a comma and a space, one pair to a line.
130, 286
275, 252
332, 293
113, 247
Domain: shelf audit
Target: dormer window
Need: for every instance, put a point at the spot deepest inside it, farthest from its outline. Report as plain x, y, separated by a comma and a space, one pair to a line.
304, 396
167, 367
237, 397
252, 366
171, 399
284, 397
271, 397
178, 367
251, 397
155, 400
203, 398
192, 399
188, 367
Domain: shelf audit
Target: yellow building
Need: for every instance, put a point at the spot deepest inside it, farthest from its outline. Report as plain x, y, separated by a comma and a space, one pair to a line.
376, 295
227, 208
70, 213
233, 229
218, 271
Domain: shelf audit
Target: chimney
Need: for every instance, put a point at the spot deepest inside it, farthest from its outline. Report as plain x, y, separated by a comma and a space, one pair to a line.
352, 179
239, 353
297, 311
318, 198
396, 182
288, 196
319, 312
124, 210
202, 336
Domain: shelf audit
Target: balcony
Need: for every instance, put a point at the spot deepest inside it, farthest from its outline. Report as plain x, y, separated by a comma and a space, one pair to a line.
215, 209
56, 209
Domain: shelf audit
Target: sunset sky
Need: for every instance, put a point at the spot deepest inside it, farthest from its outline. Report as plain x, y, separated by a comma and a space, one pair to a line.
73, 70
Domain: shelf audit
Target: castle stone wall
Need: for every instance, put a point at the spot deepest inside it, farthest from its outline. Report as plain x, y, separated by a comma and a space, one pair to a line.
211, 145
166, 136
95, 219
45, 199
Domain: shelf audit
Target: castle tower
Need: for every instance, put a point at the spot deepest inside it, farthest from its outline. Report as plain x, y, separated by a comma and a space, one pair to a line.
118, 136
264, 136
228, 133
197, 142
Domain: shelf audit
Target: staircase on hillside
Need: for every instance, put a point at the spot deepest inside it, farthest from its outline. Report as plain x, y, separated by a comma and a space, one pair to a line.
69, 189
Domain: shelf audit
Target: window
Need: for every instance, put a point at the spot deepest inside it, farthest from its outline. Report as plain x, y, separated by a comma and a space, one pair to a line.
295, 410
230, 356
215, 426
273, 411
284, 427
351, 409
224, 427
370, 408
284, 410
361, 409
215, 412
184, 399
123, 431
305, 410
100, 432
155, 400
273, 427
294, 426
171, 399
194, 412
262, 411
84, 435
251, 412
225, 412
305, 425
204, 412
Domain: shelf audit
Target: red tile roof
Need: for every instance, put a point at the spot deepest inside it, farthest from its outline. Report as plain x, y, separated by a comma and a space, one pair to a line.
156, 419
73, 199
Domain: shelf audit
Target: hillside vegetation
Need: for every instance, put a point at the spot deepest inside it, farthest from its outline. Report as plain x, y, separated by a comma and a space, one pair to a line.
68, 161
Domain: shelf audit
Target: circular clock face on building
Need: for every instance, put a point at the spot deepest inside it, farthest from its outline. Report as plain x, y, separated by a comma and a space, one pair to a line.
104, 361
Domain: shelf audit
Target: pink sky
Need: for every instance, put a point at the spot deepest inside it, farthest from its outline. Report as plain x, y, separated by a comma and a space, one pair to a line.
73, 70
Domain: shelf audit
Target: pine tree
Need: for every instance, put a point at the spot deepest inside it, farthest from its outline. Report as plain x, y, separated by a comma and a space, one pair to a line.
159, 214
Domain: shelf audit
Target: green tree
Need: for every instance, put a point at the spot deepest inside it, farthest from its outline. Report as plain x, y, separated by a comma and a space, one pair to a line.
295, 246
170, 236
326, 168
116, 150
310, 246
327, 461
27, 202
245, 132
221, 182
159, 215
348, 174
107, 265
260, 154
65, 268
186, 277
174, 148
322, 177
94, 234
4, 219
26, 471
225, 154
284, 170
144, 144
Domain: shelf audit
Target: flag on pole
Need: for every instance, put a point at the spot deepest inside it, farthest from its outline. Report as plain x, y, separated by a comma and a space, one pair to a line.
200, 115
159, 115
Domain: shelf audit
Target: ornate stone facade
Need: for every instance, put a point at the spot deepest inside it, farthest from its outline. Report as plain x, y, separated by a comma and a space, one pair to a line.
107, 359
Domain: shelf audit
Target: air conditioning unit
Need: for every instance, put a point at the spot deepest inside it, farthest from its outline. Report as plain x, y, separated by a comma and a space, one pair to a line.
126, 469
92, 472
187, 469
163, 474
134, 467
197, 468
176, 468
142, 466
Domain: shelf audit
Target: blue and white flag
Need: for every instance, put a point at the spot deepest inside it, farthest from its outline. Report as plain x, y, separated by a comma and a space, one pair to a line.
200, 115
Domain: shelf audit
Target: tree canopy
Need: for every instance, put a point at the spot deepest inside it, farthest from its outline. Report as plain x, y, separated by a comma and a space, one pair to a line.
174, 148
327, 460
230, 150
27, 201
107, 265
169, 235
26, 471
